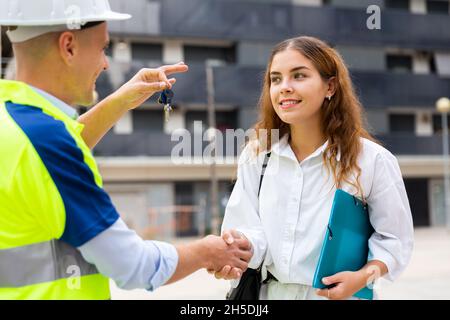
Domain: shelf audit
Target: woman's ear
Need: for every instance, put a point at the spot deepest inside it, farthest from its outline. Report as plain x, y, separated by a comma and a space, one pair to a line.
332, 86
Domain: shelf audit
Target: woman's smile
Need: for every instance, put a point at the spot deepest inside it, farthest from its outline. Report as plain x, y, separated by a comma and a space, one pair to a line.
287, 104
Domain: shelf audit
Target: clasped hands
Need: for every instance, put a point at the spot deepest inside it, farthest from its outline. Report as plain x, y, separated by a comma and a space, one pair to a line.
240, 252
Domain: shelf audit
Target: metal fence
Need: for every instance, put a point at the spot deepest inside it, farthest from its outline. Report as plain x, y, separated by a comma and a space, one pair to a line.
169, 222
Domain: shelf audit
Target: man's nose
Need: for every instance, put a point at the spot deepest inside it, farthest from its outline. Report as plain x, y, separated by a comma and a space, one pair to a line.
106, 63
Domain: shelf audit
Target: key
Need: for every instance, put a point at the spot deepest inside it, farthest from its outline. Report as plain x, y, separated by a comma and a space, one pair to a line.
167, 110
166, 99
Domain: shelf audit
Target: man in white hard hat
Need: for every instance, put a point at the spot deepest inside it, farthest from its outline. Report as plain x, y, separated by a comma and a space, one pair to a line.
60, 235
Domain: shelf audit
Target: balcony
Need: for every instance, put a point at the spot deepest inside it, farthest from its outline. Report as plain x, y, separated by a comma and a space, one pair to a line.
160, 145
409, 144
135, 144
237, 20
383, 89
240, 86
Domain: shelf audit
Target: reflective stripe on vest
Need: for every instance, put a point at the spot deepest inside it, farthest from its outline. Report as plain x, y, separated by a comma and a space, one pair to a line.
41, 262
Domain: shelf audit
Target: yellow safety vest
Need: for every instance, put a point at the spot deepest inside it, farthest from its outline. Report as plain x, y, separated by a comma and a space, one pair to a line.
34, 262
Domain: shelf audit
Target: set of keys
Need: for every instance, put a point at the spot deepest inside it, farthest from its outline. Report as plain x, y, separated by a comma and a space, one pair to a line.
166, 100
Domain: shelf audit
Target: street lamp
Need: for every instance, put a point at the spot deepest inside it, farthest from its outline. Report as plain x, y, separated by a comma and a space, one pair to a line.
214, 182
443, 106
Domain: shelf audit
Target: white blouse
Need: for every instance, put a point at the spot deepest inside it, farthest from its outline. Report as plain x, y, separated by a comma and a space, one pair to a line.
288, 222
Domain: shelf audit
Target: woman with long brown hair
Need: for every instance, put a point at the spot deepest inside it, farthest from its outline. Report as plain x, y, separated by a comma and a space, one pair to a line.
308, 101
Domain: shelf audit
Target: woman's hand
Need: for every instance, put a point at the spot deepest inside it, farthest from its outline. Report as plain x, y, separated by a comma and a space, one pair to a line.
345, 284
348, 283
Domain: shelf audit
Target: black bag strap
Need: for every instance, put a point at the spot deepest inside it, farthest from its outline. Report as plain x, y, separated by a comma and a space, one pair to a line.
247, 287
263, 170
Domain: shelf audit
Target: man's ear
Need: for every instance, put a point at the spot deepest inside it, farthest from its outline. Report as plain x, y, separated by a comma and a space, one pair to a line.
68, 46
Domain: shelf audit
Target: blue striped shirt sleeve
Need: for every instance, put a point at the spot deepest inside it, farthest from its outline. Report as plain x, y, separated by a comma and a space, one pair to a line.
131, 262
88, 208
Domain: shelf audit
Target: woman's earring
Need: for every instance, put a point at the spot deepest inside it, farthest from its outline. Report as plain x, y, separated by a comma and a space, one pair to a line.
329, 98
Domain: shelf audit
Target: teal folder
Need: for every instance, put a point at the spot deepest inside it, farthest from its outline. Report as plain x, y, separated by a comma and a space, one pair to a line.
345, 247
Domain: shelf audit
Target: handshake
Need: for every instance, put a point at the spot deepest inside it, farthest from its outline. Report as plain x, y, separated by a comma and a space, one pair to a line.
230, 255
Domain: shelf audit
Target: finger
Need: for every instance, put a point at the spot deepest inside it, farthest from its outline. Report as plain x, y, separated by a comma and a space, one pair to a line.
238, 263
334, 293
244, 244
332, 279
147, 74
235, 273
163, 78
157, 86
223, 273
225, 270
237, 234
175, 68
322, 292
169, 67
245, 255
150, 87
227, 237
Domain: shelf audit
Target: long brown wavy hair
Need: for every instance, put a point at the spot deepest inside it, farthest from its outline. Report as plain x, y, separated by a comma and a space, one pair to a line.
341, 118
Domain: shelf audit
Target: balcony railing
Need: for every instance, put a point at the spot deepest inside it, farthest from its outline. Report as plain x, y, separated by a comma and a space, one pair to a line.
241, 86
239, 20
409, 144
160, 145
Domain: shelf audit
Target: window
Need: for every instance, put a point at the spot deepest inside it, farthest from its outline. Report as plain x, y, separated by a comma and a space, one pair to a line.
186, 214
399, 63
437, 123
146, 52
224, 120
148, 120
442, 63
438, 6
397, 4
433, 68
402, 123
193, 116
202, 53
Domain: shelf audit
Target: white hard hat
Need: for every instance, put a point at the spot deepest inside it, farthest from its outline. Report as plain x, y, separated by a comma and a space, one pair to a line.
36, 17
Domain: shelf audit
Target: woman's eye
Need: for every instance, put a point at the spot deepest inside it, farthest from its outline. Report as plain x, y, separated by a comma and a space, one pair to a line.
299, 76
274, 79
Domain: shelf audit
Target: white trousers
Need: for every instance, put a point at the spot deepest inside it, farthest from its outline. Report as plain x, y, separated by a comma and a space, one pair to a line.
275, 290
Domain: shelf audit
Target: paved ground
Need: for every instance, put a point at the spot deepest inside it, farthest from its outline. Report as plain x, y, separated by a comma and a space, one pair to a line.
427, 276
